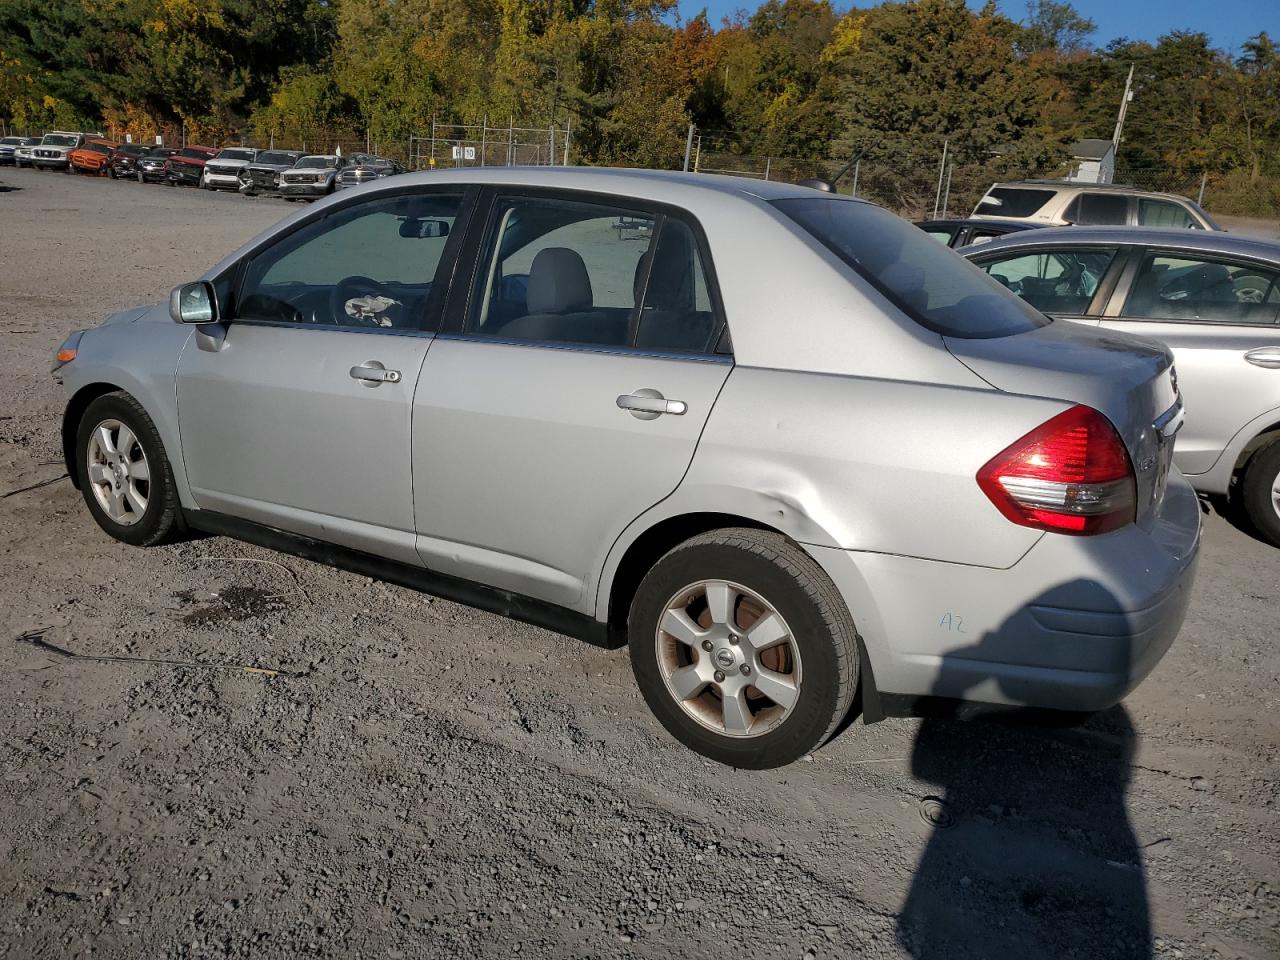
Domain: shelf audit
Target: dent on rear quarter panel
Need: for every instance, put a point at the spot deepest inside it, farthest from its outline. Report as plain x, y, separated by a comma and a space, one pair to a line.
862, 464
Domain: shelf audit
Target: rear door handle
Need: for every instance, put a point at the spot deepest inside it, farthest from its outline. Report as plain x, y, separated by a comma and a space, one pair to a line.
371, 373
648, 404
1268, 357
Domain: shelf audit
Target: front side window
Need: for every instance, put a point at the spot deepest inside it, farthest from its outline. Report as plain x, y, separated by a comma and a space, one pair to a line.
364, 266
1057, 281
939, 290
1162, 213
1100, 209
1179, 287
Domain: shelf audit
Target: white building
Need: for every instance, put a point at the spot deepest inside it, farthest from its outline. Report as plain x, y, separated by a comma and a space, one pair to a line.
1093, 161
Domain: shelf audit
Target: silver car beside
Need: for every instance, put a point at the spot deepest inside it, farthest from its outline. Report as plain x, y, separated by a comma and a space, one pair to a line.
1213, 298
781, 442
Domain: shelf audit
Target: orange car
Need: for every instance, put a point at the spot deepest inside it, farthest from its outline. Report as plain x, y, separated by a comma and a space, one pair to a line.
93, 157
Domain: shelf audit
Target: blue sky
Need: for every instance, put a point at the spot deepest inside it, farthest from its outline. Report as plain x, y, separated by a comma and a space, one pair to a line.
1228, 22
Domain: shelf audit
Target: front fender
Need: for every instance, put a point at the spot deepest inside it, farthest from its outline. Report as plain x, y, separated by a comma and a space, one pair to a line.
140, 358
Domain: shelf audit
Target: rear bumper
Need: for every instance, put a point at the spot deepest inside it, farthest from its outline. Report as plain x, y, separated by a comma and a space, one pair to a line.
1074, 625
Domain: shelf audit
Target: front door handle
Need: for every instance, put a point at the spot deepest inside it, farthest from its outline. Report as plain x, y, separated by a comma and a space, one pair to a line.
648, 404
371, 373
1268, 357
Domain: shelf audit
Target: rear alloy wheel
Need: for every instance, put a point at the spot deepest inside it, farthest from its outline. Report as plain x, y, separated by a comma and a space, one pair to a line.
123, 472
743, 648
1260, 492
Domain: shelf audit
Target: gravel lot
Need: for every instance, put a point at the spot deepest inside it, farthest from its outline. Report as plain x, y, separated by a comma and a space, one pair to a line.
433, 781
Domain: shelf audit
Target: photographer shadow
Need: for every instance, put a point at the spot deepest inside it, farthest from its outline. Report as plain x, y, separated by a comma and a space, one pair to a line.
1039, 858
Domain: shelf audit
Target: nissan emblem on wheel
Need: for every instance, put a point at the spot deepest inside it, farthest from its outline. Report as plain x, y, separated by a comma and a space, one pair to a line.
792, 451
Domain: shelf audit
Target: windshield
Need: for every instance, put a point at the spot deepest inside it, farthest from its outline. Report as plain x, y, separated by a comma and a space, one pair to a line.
12, 141
97, 147
59, 140
314, 162
1013, 202
132, 149
233, 154
194, 154
930, 283
280, 159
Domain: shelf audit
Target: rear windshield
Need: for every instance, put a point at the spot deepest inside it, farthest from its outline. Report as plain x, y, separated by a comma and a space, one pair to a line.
278, 158
1013, 201
930, 283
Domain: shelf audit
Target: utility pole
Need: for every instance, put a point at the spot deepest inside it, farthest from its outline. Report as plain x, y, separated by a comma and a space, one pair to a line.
688, 148
568, 131
1124, 109
942, 169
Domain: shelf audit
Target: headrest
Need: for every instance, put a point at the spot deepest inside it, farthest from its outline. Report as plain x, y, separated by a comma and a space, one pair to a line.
558, 282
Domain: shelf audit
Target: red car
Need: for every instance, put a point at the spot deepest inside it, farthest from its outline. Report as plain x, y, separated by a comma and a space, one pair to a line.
187, 165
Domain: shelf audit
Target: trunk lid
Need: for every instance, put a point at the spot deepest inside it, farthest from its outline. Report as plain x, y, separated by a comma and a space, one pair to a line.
1128, 379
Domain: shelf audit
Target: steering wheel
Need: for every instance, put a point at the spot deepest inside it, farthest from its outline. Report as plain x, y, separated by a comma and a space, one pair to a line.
357, 287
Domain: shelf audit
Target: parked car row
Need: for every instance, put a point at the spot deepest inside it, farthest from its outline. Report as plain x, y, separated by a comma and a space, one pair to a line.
292, 174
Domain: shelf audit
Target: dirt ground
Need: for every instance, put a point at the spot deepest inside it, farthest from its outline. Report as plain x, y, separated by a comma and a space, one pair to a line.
430, 781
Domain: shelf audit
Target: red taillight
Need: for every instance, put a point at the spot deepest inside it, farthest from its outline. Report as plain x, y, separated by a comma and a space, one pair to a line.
1069, 475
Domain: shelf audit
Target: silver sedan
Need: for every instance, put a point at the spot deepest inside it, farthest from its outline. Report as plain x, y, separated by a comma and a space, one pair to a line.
783, 443
1213, 298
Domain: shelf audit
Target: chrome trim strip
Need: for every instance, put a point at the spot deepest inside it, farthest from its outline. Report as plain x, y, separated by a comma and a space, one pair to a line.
1170, 422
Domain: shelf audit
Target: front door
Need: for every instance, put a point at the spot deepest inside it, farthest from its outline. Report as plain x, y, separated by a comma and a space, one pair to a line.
299, 415
1221, 318
570, 395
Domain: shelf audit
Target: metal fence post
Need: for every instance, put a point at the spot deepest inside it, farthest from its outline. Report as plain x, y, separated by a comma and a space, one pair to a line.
857, 166
942, 168
568, 130
688, 148
484, 136
768, 162
946, 196
1204, 178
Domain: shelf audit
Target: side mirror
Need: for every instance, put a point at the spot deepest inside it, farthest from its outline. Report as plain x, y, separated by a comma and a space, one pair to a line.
423, 229
193, 303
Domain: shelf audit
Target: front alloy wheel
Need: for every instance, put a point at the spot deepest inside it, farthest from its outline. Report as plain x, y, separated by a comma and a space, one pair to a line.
123, 473
743, 648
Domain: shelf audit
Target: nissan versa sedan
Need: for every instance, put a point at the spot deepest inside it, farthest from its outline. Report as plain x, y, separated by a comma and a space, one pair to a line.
1213, 298
781, 442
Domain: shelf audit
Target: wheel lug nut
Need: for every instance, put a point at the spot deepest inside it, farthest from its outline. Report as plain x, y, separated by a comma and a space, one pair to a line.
734, 639
719, 677
745, 668
706, 645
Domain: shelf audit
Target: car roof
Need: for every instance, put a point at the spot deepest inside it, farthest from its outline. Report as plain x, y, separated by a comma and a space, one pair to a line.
986, 223
1091, 187
1203, 241
618, 179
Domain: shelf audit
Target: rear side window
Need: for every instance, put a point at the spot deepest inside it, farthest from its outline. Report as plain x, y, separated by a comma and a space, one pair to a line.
1055, 281
1170, 287
1162, 213
934, 286
1100, 209
1013, 201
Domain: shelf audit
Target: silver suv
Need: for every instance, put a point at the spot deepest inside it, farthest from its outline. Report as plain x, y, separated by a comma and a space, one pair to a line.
1061, 203
782, 442
1213, 298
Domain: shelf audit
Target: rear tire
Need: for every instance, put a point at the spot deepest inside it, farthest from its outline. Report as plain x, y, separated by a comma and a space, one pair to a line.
124, 475
771, 617
1260, 492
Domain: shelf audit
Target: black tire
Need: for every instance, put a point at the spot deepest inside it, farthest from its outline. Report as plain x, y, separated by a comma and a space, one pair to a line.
790, 581
162, 519
1261, 475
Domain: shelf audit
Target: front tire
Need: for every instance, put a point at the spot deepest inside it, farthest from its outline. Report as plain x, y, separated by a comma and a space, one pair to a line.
743, 648
1260, 492
124, 475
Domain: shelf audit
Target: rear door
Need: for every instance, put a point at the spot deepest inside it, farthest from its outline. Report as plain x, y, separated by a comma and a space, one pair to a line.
298, 416
569, 392
1221, 318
